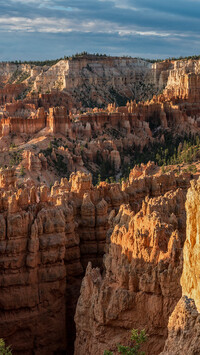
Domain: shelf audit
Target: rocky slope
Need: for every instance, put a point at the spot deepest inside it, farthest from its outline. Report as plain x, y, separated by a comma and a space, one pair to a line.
48, 143
183, 329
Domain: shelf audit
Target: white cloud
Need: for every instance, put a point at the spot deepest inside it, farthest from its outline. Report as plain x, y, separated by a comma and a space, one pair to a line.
122, 4
39, 2
64, 25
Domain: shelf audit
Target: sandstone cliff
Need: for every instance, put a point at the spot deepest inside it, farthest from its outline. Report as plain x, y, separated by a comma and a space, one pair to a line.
191, 252
104, 143
48, 124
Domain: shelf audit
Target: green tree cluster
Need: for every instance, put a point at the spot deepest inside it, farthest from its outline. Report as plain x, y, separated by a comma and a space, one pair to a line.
4, 350
137, 340
175, 151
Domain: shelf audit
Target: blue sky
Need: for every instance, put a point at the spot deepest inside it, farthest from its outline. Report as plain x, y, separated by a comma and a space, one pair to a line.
49, 29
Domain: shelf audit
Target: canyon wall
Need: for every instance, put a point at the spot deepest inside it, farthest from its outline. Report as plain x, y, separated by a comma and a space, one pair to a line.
140, 285
89, 80
129, 121
96, 81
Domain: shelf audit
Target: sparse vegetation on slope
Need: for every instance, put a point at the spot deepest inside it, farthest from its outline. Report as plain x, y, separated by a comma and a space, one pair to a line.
137, 339
175, 150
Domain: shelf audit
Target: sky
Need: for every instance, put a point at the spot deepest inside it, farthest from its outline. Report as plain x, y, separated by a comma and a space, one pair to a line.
50, 29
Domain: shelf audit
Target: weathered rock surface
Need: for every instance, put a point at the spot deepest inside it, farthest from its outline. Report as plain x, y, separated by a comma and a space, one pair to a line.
141, 282
90, 80
98, 140
191, 252
41, 260
101, 80
183, 329
48, 237
184, 323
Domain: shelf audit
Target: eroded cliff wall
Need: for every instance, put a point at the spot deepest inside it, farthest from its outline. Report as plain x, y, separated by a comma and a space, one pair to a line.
97, 81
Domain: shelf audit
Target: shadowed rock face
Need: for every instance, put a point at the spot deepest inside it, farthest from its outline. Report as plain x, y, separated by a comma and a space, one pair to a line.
41, 261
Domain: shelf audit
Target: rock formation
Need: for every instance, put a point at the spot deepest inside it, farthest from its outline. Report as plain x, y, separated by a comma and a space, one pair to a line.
43, 112
40, 260
48, 238
184, 323
140, 285
127, 239
183, 329
90, 80
191, 251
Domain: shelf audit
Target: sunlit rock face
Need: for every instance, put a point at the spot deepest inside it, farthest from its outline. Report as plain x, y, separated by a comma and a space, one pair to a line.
92, 80
81, 106
191, 251
88, 79
183, 329
184, 323
141, 282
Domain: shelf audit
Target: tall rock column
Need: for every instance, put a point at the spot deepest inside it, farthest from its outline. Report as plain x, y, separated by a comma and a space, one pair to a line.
190, 279
184, 323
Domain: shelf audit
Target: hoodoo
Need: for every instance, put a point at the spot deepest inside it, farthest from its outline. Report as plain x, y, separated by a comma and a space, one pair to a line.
99, 205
